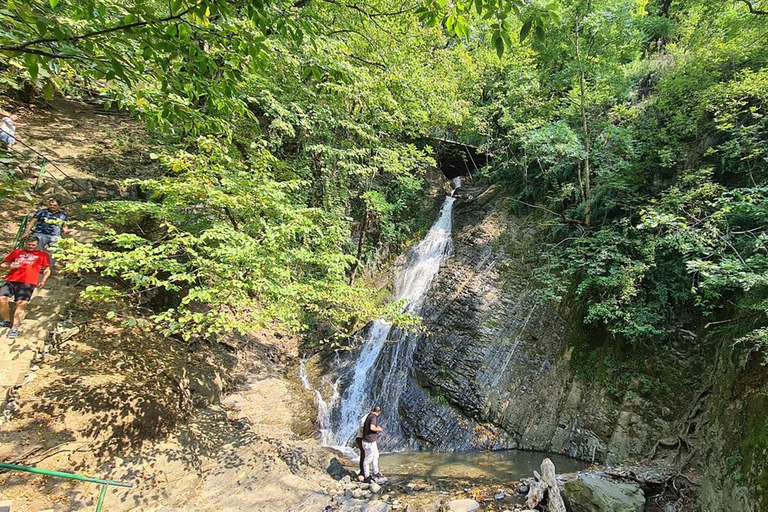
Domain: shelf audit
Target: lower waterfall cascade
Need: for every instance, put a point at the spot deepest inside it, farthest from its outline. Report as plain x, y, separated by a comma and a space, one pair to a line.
379, 373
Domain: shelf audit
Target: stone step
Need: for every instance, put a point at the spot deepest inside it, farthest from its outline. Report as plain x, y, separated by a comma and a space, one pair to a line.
10, 378
5, 506
19, 353
10, 349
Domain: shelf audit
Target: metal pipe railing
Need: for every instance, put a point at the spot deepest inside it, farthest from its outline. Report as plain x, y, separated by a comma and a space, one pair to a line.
104, 483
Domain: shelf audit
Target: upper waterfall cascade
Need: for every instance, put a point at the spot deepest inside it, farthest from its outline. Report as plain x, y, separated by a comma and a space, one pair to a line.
380, 371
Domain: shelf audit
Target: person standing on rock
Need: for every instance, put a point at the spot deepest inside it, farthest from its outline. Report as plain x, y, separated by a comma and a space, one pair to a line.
371, 431
359, 443
24, 277
48, 225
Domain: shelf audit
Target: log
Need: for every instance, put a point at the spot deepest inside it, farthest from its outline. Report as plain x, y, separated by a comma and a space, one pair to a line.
554, 500
535, 494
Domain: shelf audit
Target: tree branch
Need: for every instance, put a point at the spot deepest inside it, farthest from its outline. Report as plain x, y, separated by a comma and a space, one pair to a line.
370, 63
22, 48
752, 9
565, 219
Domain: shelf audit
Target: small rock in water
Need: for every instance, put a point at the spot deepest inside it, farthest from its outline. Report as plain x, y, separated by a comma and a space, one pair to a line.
523, 489
499, 496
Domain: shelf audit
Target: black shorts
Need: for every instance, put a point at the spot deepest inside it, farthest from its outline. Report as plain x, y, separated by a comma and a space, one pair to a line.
19, 291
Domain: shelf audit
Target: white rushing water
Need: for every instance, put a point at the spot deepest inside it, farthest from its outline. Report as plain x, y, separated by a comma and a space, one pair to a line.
339, 416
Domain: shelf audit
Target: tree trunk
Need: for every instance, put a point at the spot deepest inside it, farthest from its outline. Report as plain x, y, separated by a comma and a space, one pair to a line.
360, 244
585, 128
554, 500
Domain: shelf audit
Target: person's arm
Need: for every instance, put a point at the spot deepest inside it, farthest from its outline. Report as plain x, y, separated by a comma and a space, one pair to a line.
46, 274
64, 229
30, 226
375, 426
6, 263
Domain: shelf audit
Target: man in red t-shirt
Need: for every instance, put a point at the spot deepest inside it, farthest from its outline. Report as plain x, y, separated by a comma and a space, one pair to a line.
21, 281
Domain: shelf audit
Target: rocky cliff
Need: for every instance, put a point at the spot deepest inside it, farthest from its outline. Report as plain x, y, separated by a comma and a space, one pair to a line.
500, 368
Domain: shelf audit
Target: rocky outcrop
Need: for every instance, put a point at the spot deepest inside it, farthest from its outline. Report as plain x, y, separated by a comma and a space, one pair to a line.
495, 370
592, 494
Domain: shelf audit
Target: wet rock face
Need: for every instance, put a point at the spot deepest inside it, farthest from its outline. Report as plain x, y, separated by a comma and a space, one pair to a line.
494, 371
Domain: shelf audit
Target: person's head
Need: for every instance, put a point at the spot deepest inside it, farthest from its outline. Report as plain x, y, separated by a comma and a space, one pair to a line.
53, 204
31, 243
376, 410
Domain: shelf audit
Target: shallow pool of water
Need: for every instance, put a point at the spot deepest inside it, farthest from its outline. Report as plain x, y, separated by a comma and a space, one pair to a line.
463, 469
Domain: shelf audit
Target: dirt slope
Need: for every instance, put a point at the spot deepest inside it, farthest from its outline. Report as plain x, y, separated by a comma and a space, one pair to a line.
127, 404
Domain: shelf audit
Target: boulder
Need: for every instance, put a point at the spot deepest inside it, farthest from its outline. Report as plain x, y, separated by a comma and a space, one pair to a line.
594, 494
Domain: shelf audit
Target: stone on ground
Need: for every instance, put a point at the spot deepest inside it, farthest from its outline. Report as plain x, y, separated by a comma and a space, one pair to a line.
463, 505
593, 494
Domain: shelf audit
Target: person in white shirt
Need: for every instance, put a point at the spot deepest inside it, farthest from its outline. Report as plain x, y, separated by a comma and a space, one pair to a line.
7, 131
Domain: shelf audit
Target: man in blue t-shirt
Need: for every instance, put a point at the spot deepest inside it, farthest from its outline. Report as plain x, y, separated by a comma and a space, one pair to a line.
49, 225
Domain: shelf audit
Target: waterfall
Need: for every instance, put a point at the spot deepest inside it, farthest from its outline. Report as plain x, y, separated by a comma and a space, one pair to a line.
379, 375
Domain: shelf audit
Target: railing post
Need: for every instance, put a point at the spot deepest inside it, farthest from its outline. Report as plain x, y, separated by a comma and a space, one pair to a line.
101, 498
104, 483
40, 176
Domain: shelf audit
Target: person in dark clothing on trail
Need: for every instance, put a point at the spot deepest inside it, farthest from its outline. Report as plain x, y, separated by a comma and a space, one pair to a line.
371, 430
24, 277
49, 225
359, 443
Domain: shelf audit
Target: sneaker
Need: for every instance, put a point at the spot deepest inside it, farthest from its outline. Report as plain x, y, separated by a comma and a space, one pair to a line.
5, 323
368, 480
13, 333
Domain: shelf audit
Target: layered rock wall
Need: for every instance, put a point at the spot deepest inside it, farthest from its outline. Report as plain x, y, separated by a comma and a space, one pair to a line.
495, 370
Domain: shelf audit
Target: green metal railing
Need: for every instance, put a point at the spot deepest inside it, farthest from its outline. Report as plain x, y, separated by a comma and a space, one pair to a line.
20, 232
104, 483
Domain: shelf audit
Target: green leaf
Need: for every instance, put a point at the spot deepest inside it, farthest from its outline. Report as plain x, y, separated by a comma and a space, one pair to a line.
42, 26
32, 65
48, 90
53, 3
498, 43
525, 30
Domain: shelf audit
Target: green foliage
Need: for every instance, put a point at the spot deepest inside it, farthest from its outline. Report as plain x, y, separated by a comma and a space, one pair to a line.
230, 245
668, 110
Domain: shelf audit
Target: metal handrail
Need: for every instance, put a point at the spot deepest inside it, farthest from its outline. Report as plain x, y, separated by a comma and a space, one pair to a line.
20, 232
72, 476
47, 160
